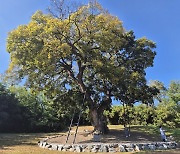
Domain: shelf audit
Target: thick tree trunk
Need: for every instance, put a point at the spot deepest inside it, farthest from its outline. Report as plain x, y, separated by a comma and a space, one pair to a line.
98, 121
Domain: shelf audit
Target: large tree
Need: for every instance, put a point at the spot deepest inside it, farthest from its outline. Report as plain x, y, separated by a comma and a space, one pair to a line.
87, 51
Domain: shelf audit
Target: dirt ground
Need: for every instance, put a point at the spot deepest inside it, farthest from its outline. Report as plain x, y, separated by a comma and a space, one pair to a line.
114, 136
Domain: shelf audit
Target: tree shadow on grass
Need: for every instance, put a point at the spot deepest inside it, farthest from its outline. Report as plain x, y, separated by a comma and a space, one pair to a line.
135, 136
138, 134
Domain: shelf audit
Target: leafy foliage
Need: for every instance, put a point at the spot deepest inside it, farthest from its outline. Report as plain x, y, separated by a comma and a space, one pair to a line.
138, 115
21, 110
167, 112
10, 111
87, 52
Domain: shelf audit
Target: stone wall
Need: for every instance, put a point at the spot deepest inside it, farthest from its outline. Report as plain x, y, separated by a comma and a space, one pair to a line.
108, 147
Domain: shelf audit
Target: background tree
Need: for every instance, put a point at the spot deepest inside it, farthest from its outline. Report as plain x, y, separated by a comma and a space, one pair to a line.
168, 110
36, 116
144, 114
88, 51
114, 114
43, 114
161, 89
10, 111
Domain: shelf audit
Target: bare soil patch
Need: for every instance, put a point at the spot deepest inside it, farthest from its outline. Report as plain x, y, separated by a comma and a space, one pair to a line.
116, 135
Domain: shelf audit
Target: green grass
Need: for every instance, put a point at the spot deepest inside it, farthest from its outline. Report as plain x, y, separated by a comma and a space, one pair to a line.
27, 143
24, 144
175, 132
154, 130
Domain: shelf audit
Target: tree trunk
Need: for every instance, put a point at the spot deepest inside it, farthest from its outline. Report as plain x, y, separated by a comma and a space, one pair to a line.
97, 118
98, 121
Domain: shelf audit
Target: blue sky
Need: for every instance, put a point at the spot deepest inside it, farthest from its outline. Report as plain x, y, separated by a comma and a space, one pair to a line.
158, 20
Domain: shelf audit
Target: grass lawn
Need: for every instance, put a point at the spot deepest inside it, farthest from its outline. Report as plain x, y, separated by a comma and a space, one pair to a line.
152, 130
27, 143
